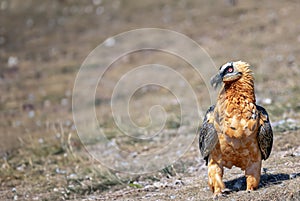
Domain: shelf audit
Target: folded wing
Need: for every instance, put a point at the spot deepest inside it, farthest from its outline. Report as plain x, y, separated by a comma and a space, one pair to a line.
265, 133
208, 135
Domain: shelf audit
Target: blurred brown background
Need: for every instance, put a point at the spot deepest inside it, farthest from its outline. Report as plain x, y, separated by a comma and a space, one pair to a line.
43, 44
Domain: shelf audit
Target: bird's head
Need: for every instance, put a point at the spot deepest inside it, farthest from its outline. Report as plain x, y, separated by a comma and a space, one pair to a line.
231, 72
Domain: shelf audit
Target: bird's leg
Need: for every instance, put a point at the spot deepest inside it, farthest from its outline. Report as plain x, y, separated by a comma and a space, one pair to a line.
253, 175
215, 174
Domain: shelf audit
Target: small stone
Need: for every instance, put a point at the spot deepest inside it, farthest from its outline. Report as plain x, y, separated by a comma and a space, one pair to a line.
293, 176
178, 182
14, 190
267, 101
41, 140
21, 168
134, 154
31, 114
59, 171
157, 184
110, 42
12, 61
148, 195
88, 178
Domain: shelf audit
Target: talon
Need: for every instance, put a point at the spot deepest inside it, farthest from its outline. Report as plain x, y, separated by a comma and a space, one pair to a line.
219, 195
226, 191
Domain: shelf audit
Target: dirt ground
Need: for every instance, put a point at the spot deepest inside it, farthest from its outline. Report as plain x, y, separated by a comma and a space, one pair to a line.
44, 43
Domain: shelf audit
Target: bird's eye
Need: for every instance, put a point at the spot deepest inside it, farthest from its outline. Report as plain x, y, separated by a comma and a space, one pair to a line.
230, 70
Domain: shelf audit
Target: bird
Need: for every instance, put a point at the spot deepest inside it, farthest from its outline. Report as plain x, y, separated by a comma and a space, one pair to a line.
235, 131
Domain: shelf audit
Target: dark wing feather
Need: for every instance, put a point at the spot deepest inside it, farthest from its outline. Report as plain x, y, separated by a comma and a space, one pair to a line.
208, 135
265, 133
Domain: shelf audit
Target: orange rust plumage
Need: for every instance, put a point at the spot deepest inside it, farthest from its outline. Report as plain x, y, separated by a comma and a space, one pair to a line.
236, 131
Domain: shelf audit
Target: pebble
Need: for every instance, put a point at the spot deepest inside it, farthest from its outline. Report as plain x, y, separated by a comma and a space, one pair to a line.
293, 176
157, 184
178, 182
59, 171
41, 140
31, 114
267, 101
21, 168
110, 42
12, 61
148, 195
14, 190
72, 176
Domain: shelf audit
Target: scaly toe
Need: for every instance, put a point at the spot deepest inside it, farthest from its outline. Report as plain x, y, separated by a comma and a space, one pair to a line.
219, 195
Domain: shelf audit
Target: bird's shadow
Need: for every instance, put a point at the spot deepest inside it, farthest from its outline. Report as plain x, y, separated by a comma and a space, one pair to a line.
239, 184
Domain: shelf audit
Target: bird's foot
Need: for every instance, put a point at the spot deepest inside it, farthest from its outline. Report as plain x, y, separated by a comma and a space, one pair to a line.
249, 190
219, 195
222, 194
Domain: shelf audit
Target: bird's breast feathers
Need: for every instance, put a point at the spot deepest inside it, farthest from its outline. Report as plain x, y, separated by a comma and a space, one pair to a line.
237, 131
237, 151
237, 121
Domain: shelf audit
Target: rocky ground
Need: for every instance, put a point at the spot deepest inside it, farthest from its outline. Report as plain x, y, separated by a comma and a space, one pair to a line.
42, 46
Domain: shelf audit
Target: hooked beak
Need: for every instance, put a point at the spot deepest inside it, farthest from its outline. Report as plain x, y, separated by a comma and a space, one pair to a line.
216, 81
